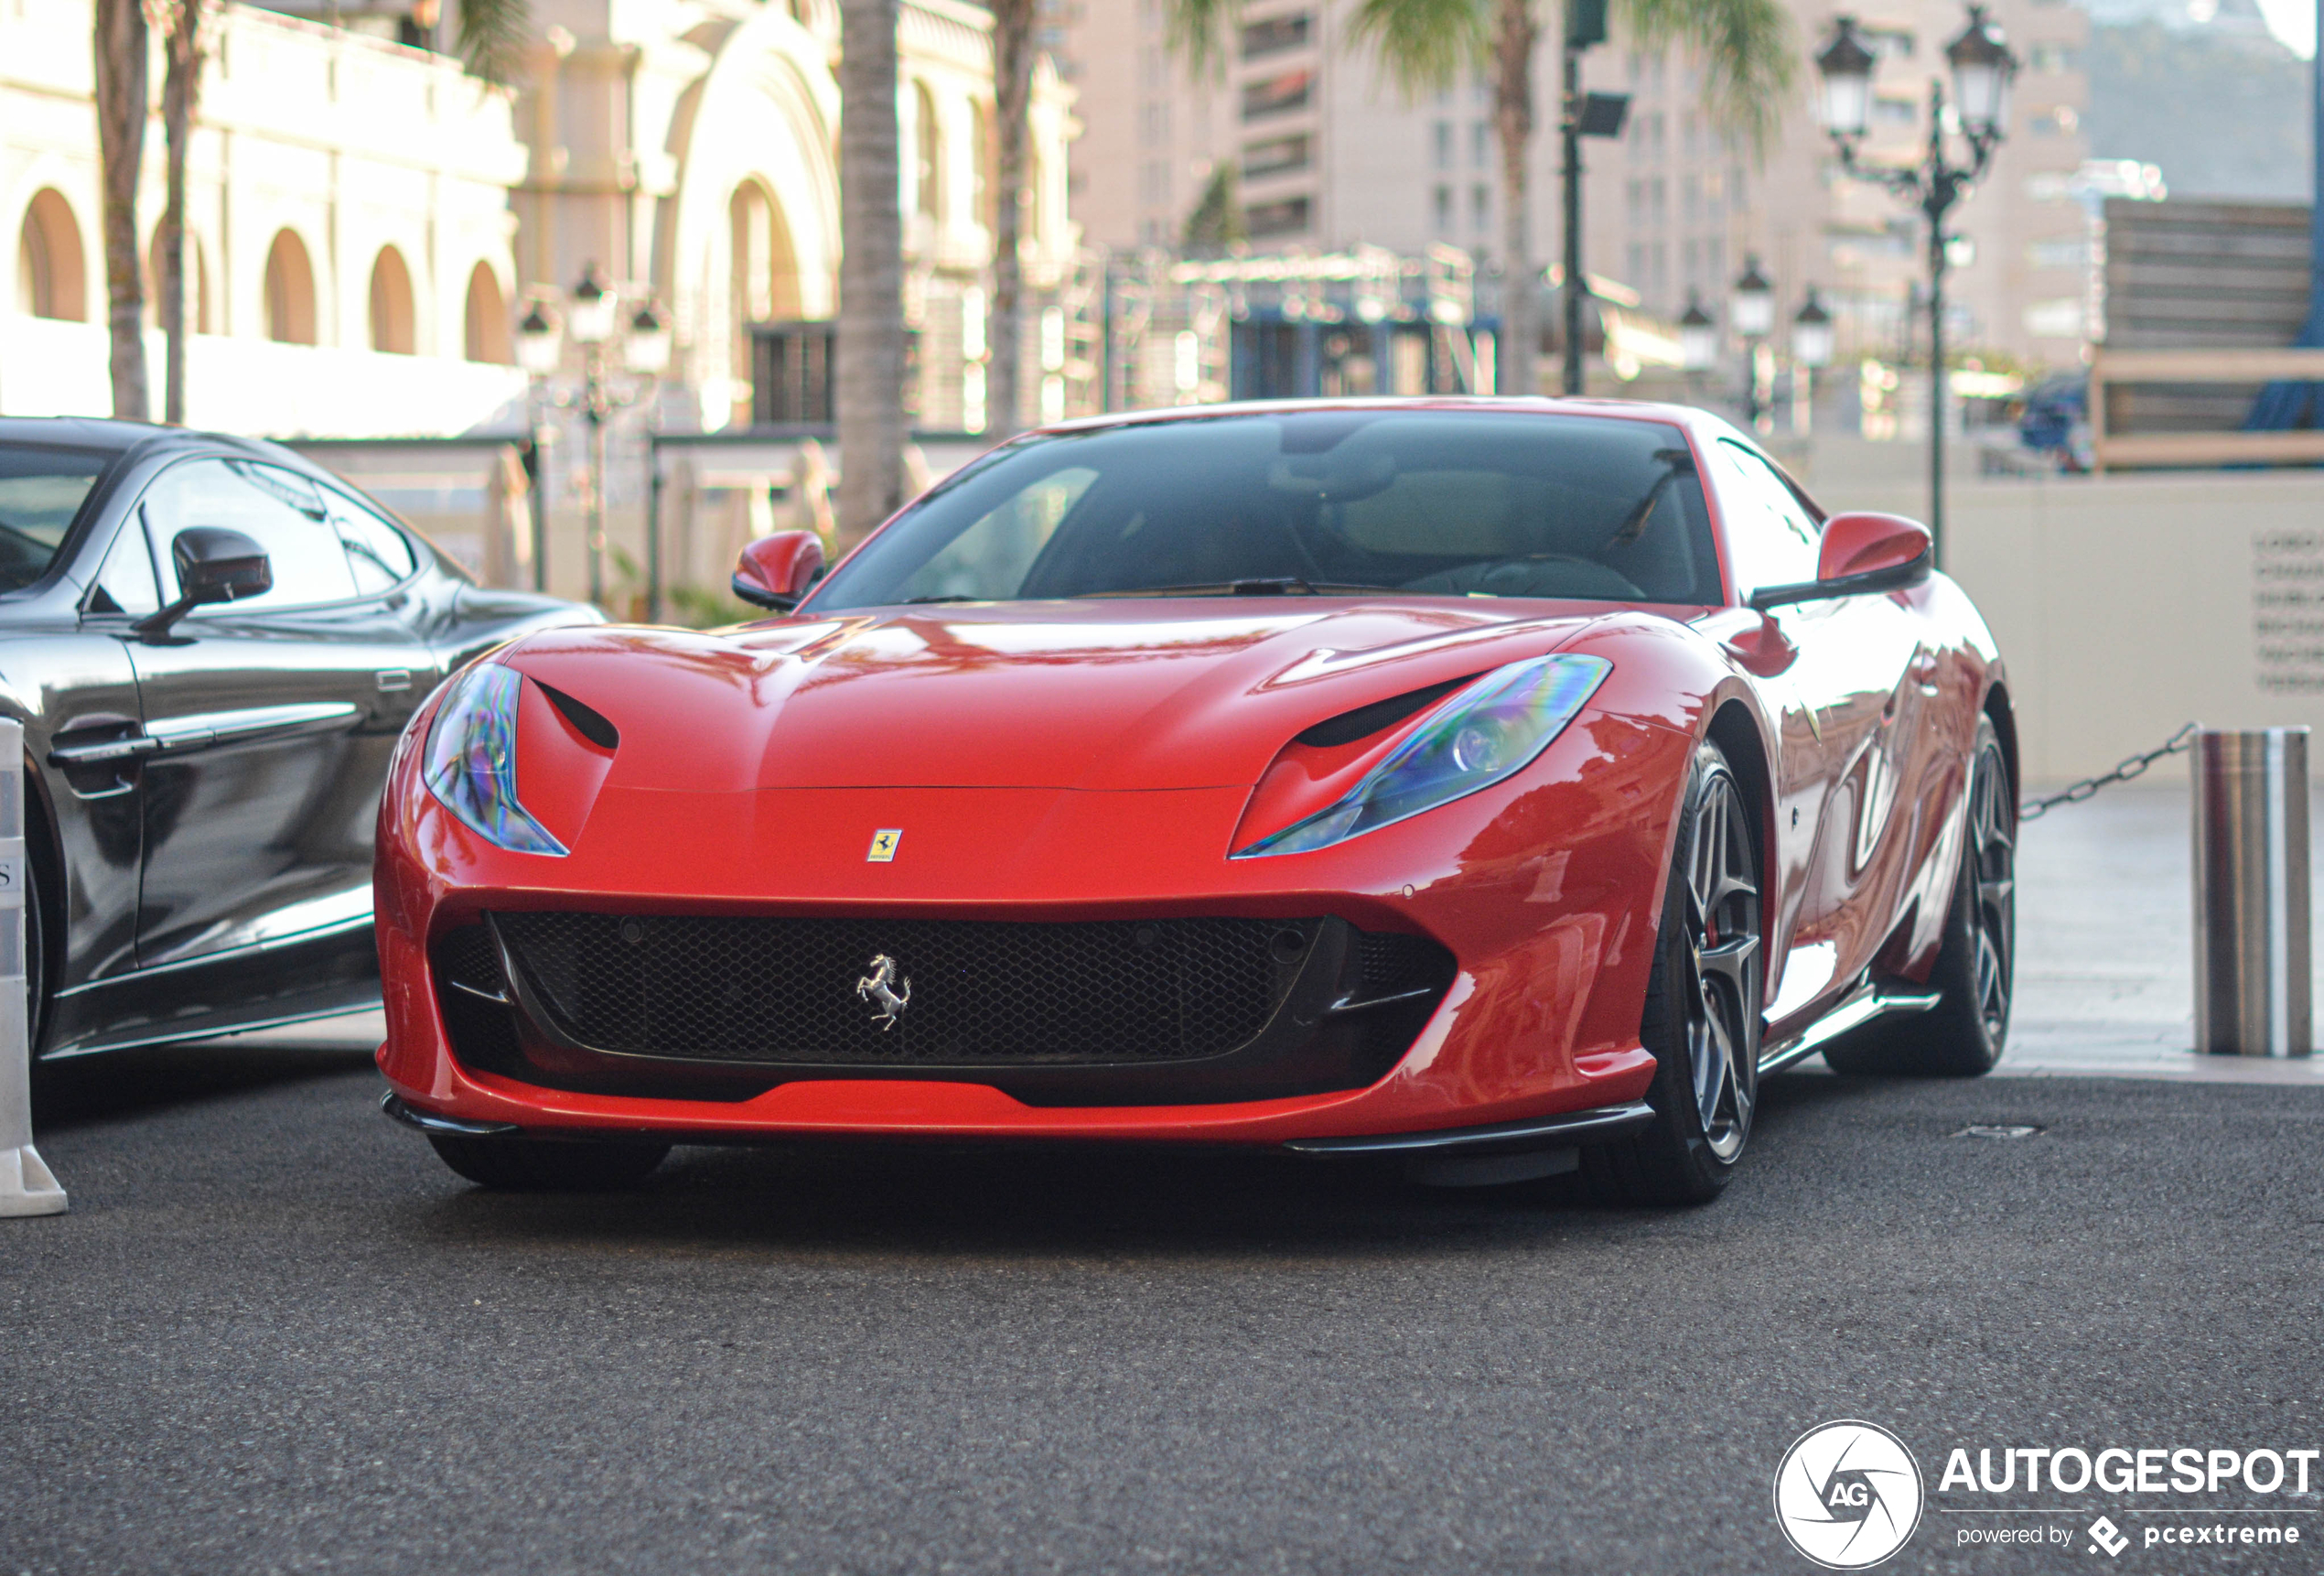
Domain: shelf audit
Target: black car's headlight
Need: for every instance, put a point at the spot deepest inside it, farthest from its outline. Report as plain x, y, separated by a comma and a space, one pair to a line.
470, 764
1478, 736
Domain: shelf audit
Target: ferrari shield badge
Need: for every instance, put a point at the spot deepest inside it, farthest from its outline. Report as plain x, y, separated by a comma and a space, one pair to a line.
886, 991
883, 848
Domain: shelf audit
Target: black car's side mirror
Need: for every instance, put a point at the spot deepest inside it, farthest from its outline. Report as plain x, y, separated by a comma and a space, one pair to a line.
214, 565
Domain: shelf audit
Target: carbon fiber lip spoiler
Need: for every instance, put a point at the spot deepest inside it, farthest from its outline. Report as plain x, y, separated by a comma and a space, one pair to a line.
1572, 1128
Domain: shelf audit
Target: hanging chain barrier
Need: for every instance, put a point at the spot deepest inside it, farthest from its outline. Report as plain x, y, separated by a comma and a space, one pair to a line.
2176, 744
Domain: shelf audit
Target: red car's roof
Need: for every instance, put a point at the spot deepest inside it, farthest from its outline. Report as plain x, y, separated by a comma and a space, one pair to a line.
1621, 409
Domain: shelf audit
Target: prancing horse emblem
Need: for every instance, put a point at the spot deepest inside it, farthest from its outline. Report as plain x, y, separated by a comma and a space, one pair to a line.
884, 990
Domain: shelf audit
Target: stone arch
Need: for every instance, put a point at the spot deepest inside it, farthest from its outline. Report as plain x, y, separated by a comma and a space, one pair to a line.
764, 118
52, 267
487, 317
289, 291
394, 327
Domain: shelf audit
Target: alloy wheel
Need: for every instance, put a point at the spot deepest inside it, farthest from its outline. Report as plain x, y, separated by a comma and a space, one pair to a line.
1993, 854
1724, 965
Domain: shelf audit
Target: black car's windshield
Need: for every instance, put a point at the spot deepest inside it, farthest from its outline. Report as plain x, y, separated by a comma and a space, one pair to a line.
42, 492
1443, 502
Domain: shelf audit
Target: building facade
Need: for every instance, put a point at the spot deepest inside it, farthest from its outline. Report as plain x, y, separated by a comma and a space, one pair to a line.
1330, 155
349, 254
367, 220
690, 152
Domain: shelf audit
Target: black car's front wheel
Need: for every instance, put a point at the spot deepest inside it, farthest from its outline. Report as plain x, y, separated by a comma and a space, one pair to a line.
1703, 1006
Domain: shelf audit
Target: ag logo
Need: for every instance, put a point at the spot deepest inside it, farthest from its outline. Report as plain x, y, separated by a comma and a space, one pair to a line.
1848, 1494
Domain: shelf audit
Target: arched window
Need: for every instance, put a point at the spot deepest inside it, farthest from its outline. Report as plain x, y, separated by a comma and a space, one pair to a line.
392, 328
487, 318
927, 150
197, 318
52, 274
290, 292
763, 276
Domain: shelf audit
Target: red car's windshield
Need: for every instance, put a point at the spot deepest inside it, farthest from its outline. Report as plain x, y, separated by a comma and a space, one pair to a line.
1442, 502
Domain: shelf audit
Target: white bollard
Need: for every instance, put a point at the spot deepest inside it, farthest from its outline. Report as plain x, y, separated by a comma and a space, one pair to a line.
26, 1185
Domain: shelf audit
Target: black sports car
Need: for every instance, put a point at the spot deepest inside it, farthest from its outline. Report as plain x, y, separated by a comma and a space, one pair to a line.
212, 645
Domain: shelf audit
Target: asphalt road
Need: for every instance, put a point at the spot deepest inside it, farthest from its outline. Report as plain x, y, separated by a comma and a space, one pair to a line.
275, 1334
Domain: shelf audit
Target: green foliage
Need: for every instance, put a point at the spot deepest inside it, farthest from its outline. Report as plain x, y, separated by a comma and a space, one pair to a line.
1750, 54
1425, 45
1217, 220
494, 35
1199, 31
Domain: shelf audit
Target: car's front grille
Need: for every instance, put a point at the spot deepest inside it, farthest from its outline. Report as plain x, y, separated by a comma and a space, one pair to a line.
1072, 1013
768, 990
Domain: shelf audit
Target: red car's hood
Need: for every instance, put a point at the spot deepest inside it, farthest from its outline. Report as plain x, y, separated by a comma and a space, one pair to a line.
1126, 694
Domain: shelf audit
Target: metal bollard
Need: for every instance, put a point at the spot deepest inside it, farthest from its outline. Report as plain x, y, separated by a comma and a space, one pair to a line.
2252, 957
26, 1185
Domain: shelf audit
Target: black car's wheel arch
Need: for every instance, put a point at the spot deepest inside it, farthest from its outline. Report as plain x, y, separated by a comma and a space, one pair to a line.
44, 848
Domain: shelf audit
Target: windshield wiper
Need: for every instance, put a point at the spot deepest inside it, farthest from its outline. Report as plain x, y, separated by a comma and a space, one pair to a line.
1270, 586
921, 602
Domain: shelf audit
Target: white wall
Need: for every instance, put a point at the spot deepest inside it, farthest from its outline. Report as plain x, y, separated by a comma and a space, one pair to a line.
2126, 606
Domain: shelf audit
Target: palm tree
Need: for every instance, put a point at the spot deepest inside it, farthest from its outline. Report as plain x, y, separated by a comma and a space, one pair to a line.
870, 396
1013, 24
186, 48
122, 104
1427, 45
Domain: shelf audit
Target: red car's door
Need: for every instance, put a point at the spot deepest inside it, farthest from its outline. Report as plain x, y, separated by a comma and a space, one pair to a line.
1851, 704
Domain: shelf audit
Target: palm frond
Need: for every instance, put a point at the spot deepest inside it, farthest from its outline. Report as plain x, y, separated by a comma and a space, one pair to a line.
1749, 55
1198, 32
494, 35
1426, 45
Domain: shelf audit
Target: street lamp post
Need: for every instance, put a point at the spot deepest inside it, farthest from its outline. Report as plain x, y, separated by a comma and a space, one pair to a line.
537, 350
594, 321
1811, 353
1981, 67
1750, 311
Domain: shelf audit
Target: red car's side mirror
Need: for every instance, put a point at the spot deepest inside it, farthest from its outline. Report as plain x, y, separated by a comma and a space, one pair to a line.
1861, 552
777, 571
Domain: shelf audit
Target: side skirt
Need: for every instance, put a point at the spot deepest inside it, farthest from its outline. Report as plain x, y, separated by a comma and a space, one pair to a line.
1861, 1006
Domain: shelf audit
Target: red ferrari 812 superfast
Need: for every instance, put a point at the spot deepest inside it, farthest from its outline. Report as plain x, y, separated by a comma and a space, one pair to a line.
1501, 786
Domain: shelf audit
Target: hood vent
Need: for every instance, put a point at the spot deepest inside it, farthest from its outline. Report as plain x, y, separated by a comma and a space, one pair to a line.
1367, 720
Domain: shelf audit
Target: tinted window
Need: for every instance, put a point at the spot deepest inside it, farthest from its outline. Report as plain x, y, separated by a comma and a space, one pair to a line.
1773, 538
282, 510
41, 493
1452, 504
378, 554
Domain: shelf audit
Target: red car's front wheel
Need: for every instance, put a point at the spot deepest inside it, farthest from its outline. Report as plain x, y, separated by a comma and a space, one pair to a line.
1702, 1018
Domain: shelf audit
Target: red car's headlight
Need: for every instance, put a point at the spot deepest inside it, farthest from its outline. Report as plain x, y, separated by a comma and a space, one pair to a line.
470, 762
1480, 735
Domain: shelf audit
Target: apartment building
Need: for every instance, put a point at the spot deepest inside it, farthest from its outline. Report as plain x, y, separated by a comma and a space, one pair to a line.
1331, 155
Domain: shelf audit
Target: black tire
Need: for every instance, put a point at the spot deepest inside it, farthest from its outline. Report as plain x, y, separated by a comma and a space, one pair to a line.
548, 1165
1963, 1035
1703, 1006
36, 947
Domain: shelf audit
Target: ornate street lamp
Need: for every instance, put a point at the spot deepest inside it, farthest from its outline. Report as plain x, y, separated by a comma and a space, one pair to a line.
1811, 353
1698, 337
1751, 312
639, 345
1982, 67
